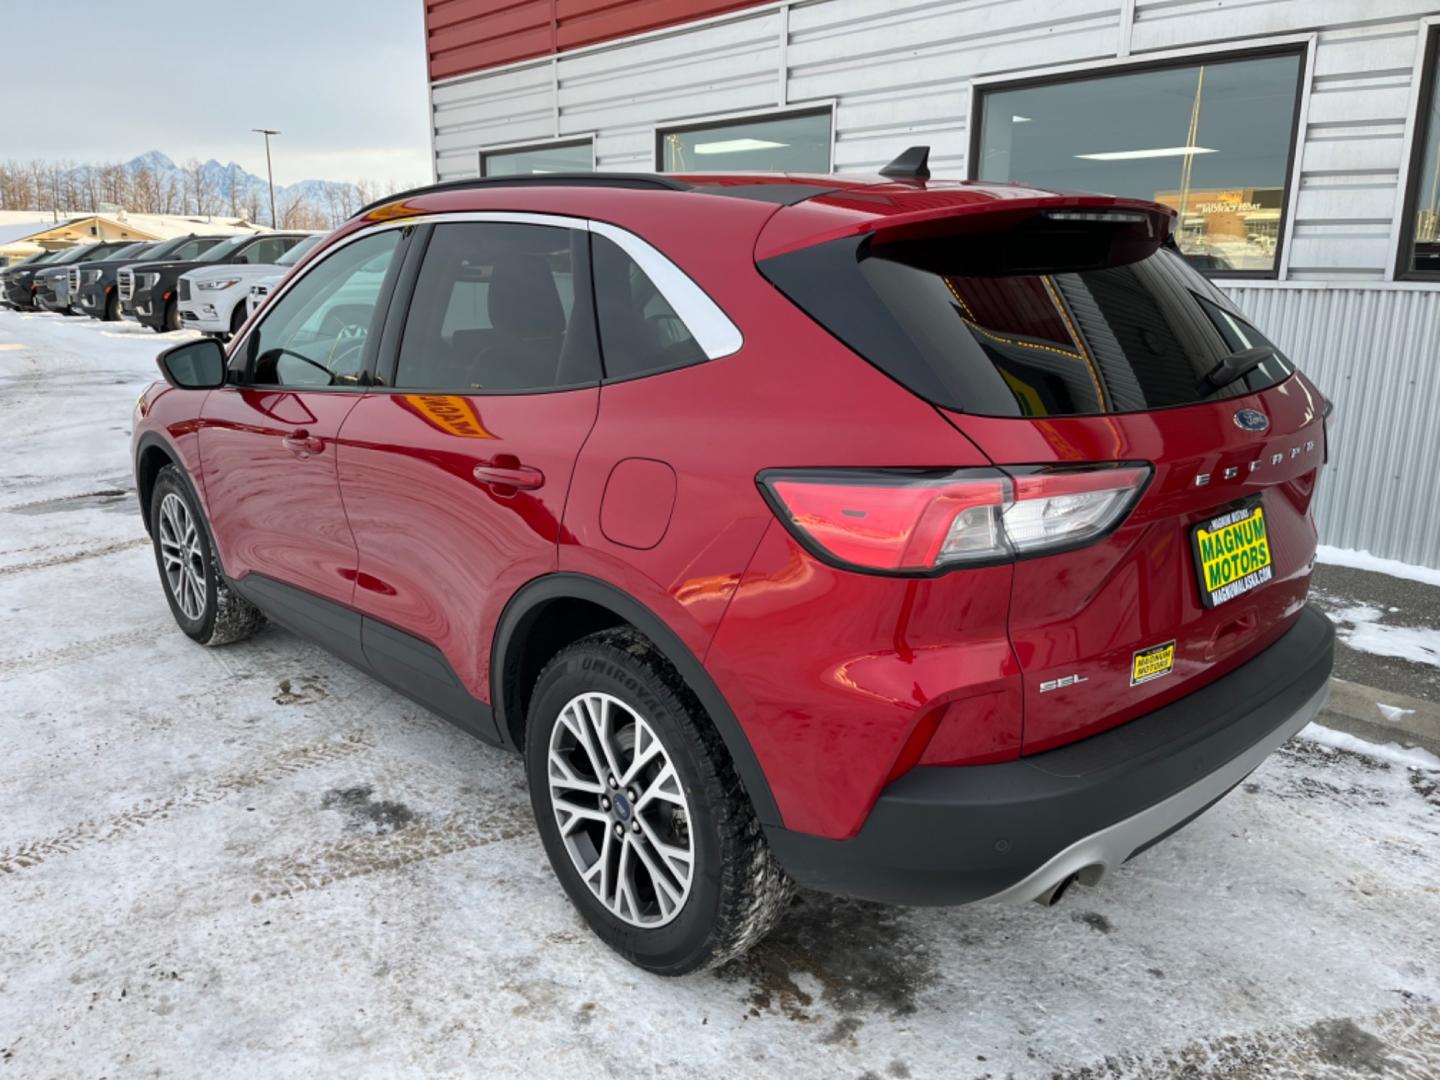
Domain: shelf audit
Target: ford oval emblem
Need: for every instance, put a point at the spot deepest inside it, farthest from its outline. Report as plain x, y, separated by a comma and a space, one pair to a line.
1251, 420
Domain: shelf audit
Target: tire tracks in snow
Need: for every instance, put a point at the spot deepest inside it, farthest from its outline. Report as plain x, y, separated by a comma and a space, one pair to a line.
362, 855
75, 556
29, 854
38, 660
1401, 1043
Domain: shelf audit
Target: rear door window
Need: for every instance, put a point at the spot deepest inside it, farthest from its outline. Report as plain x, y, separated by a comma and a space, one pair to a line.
495, 309
1087, 335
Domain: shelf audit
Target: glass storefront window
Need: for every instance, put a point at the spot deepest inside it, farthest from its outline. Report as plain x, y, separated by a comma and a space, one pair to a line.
1420, 255
1212, 139
569, 157
796, 142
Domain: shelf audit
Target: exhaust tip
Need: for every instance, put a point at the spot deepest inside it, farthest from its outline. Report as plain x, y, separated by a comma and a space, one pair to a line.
1051, 898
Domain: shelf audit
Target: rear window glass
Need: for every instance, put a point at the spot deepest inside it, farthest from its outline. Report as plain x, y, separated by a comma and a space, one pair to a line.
1145, 334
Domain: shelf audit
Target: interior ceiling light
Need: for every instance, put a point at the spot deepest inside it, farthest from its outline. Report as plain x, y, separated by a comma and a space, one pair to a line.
736, 146
1159, 151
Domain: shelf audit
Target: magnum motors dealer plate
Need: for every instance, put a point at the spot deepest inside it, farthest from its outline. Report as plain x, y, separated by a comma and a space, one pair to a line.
1232, 554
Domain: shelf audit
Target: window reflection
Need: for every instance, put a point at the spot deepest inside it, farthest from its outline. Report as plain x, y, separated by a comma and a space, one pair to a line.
1212, 140
571, 157
1424, 254
788, 142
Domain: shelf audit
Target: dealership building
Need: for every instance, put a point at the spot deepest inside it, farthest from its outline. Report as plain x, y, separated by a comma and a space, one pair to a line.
1297, 140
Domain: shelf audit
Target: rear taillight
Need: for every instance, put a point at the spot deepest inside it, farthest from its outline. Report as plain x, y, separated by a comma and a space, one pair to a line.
910, 521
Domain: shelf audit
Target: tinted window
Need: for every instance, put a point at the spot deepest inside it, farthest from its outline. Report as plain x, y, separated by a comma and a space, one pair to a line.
1138, 335
1213, 140
299, 251
1422, 254
785, 142
193, 248
266, 250
534, 160
224, 249
316, 333
639, 330
495, 309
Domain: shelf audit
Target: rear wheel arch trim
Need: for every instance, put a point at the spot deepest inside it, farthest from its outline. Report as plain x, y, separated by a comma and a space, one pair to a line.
572, 586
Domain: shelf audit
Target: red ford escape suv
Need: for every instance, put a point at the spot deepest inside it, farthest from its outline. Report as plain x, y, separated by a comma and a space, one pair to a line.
926, 542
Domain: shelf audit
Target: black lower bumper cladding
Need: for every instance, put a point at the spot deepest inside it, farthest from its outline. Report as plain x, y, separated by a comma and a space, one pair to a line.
959, 834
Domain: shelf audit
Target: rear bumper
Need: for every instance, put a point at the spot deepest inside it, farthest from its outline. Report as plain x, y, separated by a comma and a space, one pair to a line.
1018, 830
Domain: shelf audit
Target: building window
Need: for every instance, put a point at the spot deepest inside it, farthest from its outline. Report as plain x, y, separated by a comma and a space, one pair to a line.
575, 156
796, 141
1212, 138
1420, 241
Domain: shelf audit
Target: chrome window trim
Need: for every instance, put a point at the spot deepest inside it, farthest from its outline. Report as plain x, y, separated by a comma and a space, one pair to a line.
708, 324
711, 328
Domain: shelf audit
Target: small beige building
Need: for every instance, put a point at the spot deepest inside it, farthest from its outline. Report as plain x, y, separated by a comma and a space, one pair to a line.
23, 233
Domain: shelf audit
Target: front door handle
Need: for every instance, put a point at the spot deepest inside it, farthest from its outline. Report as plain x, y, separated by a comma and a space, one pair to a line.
302, 444
505, 475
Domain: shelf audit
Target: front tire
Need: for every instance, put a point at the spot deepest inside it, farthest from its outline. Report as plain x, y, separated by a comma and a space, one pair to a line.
112, 308
171, 318
204, 605
641, 812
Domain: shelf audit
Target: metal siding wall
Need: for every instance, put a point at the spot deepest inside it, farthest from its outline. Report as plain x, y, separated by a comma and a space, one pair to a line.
1376, 353
900, 73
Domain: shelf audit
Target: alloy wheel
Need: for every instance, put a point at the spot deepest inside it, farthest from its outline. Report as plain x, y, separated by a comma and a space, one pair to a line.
621, 810
183, 554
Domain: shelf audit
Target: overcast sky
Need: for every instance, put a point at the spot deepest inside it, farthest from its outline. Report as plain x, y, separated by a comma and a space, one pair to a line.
344, 80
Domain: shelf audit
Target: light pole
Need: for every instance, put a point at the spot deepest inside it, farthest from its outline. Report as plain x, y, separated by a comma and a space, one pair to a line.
270, 175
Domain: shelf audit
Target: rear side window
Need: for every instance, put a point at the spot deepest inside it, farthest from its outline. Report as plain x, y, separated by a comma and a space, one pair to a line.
191, 248
639, 331
1092, 334
495, 309
266, 250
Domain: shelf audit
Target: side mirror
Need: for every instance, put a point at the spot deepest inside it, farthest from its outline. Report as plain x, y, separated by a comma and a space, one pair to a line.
195, 365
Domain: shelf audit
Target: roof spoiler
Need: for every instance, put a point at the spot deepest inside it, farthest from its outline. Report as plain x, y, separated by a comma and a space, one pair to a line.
913, 164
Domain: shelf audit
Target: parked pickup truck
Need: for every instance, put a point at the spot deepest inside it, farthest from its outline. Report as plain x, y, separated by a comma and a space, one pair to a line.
212, 298
56, 287
99, 291
264, 286
154, 287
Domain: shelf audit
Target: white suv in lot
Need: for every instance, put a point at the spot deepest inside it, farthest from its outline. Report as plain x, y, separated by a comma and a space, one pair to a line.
262, 286
212, 298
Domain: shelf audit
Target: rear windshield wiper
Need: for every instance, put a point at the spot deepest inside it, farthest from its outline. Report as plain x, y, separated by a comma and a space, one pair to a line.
1236, 365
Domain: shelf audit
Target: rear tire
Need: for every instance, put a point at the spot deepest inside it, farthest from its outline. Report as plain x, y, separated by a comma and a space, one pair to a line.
700, 884
204, 605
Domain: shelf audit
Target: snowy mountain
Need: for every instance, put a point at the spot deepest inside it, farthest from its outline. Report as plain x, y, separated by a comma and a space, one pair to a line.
217, 179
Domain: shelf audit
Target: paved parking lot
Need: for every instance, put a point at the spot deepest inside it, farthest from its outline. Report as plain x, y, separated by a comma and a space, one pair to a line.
255, 862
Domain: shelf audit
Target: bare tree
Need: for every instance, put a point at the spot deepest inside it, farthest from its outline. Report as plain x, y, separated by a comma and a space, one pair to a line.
339, 202
199, 187
232, 185
297, 212
145, 190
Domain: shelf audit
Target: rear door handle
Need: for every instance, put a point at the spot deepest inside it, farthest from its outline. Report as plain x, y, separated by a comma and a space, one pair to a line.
302, 444
505, 475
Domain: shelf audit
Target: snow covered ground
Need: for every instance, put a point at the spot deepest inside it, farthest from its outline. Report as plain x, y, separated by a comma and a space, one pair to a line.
254, 861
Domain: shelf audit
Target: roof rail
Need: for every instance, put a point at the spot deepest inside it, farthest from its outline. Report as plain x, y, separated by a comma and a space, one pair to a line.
612, 179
